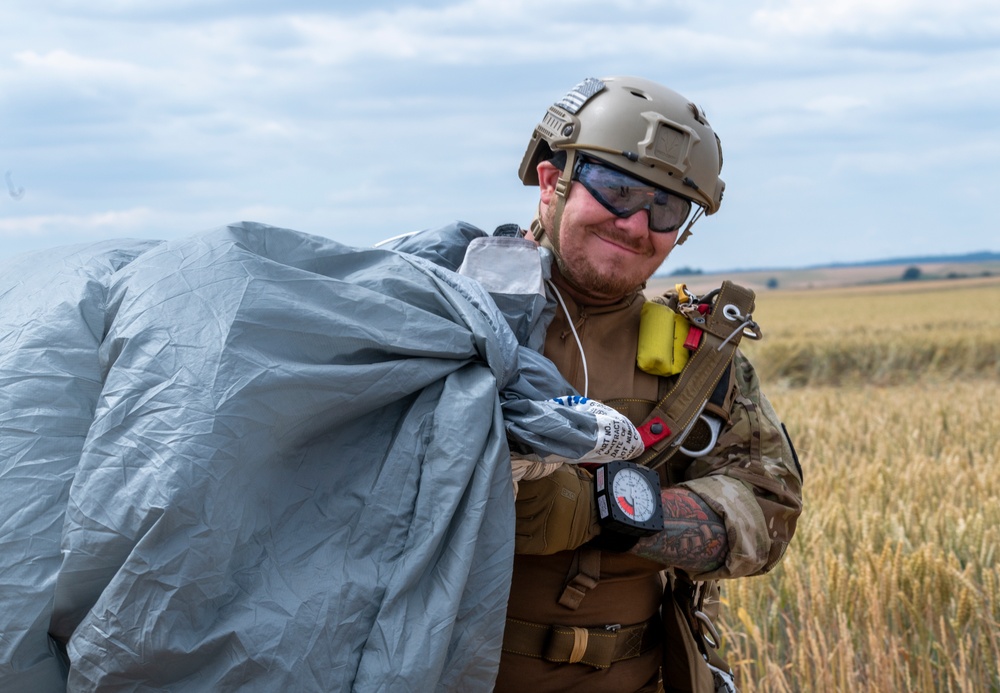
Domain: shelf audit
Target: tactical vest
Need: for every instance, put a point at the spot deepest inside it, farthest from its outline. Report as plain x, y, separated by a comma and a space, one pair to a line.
608, 605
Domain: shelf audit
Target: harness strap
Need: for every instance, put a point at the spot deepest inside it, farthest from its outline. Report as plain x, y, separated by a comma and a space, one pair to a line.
696, 383
690, 597
599, 647
584, 574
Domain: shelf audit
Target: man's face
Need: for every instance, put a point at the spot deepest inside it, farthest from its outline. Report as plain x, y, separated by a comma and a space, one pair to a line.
605, 255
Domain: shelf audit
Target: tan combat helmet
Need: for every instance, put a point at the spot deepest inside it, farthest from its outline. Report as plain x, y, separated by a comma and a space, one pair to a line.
637, 126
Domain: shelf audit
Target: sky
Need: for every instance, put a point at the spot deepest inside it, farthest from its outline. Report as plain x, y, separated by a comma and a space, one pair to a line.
852, 130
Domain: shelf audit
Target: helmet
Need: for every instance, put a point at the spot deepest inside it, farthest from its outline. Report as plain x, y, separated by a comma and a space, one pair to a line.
639, 127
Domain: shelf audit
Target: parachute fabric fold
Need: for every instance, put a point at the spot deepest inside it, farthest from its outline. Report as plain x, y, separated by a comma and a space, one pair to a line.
269, 461
51, 322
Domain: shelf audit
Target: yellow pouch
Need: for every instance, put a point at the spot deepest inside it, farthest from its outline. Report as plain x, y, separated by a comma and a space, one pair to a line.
661, 340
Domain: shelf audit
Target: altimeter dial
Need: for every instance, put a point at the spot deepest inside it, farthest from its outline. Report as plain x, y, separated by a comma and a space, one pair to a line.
632, 493
628, 499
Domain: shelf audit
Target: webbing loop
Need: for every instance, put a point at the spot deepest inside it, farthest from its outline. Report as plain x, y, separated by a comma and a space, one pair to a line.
581, 636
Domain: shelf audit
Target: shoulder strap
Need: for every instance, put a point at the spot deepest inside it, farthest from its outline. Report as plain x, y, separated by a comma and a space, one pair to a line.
728, 315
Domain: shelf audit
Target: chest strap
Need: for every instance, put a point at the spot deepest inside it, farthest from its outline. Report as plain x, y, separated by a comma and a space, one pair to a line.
598, 647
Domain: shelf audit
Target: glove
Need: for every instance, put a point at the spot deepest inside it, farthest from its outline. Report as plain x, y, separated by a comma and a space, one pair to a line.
556, 513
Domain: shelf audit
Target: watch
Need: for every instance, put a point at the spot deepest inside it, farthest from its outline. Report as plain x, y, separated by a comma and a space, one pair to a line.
628, 499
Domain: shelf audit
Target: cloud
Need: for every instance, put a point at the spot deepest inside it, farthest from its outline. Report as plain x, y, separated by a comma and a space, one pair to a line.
66, 64
805, 18
378, 118
836, 105
121, 222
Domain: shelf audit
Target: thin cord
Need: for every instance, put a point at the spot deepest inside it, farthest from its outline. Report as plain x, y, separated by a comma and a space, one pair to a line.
579, 345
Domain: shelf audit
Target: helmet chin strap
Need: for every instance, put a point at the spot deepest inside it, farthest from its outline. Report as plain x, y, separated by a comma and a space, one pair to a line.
549, 238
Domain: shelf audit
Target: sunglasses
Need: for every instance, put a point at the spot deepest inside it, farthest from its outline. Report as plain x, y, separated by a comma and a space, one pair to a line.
623, 196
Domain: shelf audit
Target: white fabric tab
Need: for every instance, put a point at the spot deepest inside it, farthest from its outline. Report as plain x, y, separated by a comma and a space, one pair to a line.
617, 438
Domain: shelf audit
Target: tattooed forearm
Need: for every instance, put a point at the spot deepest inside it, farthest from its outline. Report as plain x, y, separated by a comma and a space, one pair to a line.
693, 537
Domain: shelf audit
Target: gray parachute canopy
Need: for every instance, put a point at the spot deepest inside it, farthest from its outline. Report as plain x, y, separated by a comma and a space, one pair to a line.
260, 460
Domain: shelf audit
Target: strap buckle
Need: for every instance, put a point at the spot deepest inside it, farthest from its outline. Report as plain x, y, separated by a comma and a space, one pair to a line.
598, 646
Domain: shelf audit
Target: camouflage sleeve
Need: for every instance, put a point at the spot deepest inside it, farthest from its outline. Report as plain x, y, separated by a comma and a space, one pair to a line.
752, 479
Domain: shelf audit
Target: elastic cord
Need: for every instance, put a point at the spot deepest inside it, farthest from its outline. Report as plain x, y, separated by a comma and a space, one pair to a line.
572, 327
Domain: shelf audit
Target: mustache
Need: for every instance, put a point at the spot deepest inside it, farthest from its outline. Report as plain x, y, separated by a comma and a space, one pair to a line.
611, 233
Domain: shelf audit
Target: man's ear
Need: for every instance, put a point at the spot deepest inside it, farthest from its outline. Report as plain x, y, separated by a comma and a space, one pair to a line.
548, 175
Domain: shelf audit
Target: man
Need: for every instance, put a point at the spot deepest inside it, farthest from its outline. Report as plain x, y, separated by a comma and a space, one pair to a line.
279, 463
620, 163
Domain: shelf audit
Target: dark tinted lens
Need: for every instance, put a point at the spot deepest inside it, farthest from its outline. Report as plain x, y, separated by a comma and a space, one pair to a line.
623, 196
668, 211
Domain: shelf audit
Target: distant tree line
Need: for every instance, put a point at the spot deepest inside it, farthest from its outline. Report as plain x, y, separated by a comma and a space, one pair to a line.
914, 273
686, 270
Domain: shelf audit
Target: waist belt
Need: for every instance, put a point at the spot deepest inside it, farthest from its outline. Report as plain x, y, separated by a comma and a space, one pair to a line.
598, 647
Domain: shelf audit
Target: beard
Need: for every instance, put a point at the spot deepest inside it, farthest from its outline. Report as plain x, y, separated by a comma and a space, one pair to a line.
594, 282
599, 282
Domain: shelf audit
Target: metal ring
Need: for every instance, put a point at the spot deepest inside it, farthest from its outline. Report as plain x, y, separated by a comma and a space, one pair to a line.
715, 639
714, 426
732, 313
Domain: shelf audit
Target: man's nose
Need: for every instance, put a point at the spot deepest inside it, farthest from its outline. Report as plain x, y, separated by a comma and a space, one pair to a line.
636, 224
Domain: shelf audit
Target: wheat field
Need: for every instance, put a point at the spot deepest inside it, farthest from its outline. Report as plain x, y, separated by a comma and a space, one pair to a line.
891, 582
